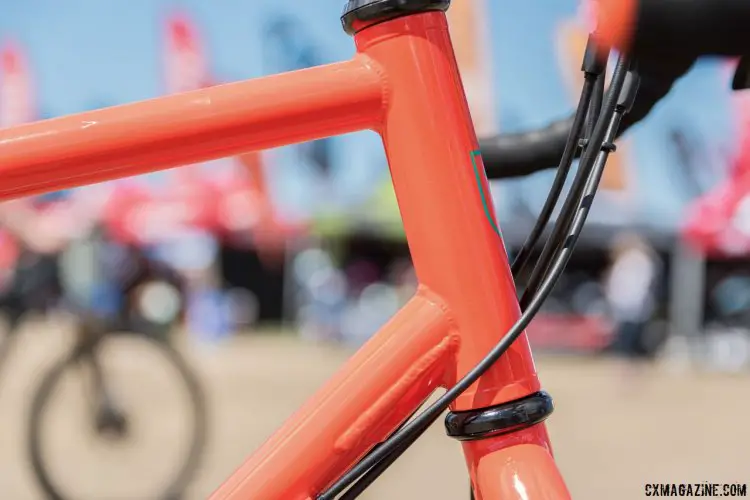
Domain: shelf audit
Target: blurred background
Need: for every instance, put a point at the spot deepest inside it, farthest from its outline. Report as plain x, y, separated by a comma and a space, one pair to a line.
157, 329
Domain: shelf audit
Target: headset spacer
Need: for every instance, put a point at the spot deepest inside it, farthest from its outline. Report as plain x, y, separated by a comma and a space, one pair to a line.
368, 12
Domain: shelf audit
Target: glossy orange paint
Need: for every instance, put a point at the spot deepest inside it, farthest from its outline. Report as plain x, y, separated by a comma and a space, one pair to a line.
514, 467
403, 83
382, 384
191, 127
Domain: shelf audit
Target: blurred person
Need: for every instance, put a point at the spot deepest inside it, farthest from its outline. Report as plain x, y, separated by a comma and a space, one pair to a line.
231, 194
265, 228
31, 243
37, 232
630, 289
193, 251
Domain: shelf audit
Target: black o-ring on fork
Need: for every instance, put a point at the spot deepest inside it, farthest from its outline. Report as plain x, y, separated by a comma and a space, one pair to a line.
497, 420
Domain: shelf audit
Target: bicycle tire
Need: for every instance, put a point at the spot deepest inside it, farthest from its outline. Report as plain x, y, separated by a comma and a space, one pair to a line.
54, 375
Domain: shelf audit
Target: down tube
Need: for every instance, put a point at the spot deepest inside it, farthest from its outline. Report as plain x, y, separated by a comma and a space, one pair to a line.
376, 389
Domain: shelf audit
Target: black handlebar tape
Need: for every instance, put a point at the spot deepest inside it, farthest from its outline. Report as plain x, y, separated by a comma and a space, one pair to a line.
515, 155
660, 29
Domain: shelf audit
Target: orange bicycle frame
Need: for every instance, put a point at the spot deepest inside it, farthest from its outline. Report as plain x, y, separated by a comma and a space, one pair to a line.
404, 84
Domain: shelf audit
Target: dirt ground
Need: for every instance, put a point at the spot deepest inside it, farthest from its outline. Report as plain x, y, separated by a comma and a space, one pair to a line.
613, 431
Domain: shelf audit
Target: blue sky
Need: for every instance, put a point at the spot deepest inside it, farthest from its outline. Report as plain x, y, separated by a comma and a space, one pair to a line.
89, 53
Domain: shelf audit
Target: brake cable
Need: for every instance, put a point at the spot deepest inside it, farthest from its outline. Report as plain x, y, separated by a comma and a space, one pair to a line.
594, 66
596, 100
582, 192
567, 213
553, 246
